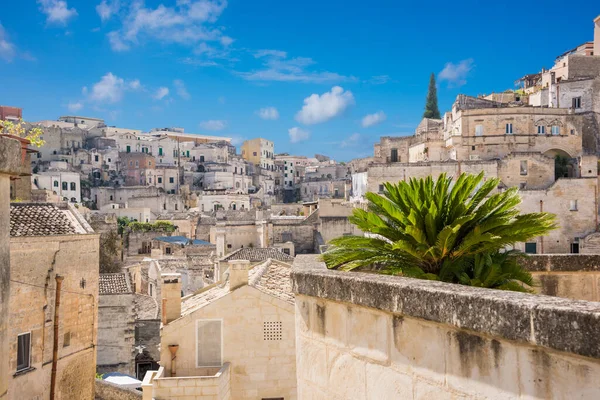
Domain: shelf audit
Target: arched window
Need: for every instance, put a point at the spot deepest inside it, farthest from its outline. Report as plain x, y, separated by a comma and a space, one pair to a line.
73, 187
65, 186
237, 185
55, 183
73, 200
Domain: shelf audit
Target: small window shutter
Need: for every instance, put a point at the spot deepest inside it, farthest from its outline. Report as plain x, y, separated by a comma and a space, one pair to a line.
209, 343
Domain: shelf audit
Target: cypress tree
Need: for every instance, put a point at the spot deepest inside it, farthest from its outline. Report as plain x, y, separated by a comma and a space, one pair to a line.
431, 104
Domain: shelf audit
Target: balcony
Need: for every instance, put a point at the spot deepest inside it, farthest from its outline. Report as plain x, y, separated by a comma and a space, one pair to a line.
214, 383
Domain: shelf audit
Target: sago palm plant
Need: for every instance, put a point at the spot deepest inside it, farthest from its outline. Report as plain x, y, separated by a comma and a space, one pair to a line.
438, 229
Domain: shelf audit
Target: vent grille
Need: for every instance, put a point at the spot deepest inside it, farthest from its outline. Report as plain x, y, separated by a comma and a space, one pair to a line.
272, 331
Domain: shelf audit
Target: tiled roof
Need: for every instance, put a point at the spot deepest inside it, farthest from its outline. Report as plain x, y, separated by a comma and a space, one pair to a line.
31, 219
113, 283
199, 300
273, 278
270, 277
258, 254
145, 307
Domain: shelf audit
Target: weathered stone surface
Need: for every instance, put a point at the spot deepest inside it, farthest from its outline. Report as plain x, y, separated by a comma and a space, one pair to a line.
110, 391
560, 324
561, 262
10, 156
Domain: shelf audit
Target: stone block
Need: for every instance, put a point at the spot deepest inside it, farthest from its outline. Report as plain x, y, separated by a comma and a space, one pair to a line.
482, 366
344, 367
368, 333
384, 383
312, 362
418, 347
427, 391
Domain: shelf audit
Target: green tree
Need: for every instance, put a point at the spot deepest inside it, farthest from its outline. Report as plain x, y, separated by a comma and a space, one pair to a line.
440, 230
110, 244
431, 103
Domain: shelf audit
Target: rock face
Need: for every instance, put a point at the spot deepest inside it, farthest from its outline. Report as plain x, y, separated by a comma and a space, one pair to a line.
437, 340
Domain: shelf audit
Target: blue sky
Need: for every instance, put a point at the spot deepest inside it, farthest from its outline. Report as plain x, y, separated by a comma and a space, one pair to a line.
326, 77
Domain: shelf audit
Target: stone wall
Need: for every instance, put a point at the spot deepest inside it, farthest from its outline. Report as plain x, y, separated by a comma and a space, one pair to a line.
573, 276
35, 261
365, 336
116, 334
110, 391
216, 386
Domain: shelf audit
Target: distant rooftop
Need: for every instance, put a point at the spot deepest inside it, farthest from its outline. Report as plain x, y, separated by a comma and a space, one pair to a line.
182, 240
45, 219
258, 254
114, 283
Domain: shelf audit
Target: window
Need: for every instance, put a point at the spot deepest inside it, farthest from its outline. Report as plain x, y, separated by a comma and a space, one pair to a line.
555, 130
254, 154
573, 205
168, 250
160, 151
150, 289
109, 160
159, 179
572, 132
478, 130
171, 180
73, 186
23, 351
394, 155
472, 147
73, 200
128, 149
65, 186
209, 347
509, 129
524, 167
55, 183
286, 251
576, 102
176, 207
541, 129
575, 248
137, 163
111, 197
96, 158
531, 248
380, 188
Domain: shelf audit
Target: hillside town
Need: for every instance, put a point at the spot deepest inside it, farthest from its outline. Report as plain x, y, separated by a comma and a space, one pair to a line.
166, 264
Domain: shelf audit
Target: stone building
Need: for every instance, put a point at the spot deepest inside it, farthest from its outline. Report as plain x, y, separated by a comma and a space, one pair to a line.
53, 302
128, 327
260, 152
235, 340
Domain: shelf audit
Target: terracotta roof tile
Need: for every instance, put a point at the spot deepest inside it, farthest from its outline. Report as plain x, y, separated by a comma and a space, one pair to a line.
258, 254
29, 219
114, 284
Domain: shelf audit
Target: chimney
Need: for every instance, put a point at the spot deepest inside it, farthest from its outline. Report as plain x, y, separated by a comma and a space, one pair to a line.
597, 36
171, 297
220, 239
238, 273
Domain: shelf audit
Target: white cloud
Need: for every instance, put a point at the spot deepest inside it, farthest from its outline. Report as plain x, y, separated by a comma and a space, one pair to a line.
456, 74
75, 106
373, 119
106, 9
187, 23
298, 135
273, 53
7, 49
116, 42
237, 140
109, 89
226, 40
135, 84
197, 63
322, 108
161, 92
57, 11
351, 141
181, 89
213, 125
268, 113
277, 67
379, 79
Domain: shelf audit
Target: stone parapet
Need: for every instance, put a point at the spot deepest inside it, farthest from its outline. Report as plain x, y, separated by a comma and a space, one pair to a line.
365, 336
560, 324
